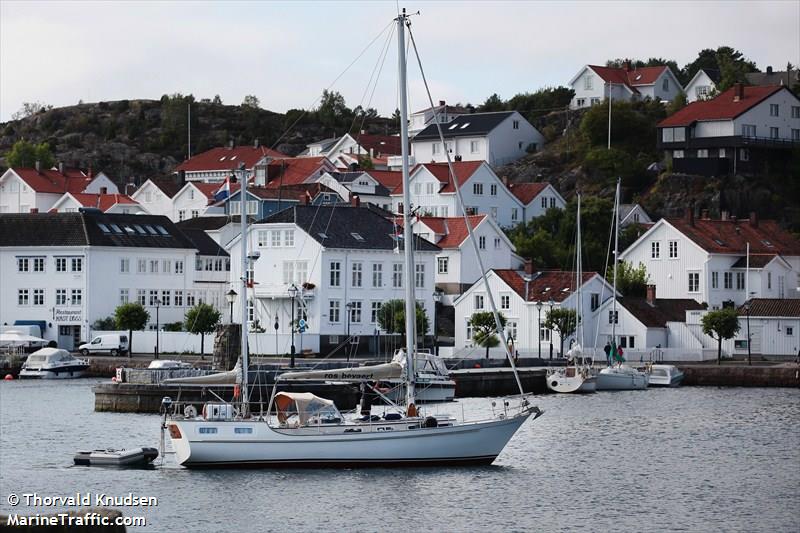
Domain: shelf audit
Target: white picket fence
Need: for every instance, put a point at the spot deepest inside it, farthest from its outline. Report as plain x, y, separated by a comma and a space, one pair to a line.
182, 342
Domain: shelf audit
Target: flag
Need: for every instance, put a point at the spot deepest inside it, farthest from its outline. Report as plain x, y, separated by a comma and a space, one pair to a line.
224, 190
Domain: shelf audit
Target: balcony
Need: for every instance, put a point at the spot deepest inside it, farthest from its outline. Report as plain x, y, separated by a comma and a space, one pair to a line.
730, 141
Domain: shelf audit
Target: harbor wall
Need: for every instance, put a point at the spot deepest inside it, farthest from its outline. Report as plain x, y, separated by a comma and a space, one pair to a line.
787, 375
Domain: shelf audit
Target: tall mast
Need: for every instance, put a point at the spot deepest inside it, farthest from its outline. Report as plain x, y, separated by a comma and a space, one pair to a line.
411, 306
578, 279
242, 175
616, 251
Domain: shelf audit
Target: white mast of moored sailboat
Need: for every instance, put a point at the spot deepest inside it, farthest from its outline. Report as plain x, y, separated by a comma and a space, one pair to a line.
616, 252
578, 280
242, 175
411, 303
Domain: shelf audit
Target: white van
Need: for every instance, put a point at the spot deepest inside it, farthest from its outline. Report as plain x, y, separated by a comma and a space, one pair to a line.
113, 343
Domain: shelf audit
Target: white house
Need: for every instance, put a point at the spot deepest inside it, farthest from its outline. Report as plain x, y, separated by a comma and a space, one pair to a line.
36, 190
536, 198
498, 138
433, 192
107, 203
703, 85
360, 183
193, 200
774, 327
525, 297
67, 270
213, 166
707, 259
377, 147
633, 214
456, 265
443, 113
744, 129
155, 196
593, 84
346, 261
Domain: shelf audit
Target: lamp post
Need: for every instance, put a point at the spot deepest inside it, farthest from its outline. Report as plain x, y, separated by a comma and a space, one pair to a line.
158, 306
348, 306
231, 297
539, 328
293, 293
551, 302
277, 326
437, 298
747, 309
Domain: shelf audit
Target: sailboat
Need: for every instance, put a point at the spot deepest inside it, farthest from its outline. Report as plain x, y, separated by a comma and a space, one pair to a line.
301, 429
617, 375
577, 376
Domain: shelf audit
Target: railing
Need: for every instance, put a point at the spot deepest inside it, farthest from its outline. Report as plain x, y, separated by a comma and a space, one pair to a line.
727, 141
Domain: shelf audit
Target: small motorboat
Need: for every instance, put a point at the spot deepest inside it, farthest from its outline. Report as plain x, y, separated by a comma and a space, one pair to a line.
53, 363
111, 457
665, 376
433, 380
621, 377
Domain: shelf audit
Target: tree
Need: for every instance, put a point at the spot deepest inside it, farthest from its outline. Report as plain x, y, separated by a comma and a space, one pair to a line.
332, 110
484, 329
104, 324
392, 317
677, 103
202, 318
217, 100
131, 316
251, 101
722, 323
631, 281
493, 103
564, 321
731, 64
30, 108
26, 154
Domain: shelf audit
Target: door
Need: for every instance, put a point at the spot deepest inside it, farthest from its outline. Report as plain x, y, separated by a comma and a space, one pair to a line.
65, 338
755, 339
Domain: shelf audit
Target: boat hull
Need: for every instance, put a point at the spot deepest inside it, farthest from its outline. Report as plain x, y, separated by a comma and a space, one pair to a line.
69, 372
562, 383
426, 393
377, 445
612, 380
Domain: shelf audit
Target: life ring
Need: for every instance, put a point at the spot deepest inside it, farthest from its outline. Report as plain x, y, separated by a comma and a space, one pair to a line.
190, 411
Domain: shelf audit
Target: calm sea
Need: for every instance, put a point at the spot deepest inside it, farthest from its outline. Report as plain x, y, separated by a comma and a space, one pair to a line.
690, 459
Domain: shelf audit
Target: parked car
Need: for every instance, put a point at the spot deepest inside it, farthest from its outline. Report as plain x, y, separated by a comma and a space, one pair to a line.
112, 343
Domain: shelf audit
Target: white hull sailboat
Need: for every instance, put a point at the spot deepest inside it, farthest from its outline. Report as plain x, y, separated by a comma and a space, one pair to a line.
300, 429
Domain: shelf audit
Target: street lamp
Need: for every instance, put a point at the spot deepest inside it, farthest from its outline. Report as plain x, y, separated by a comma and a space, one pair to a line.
158, 306
231, 297
349, 306
551, 302
293, 293
437, 299
747, 309
539, 328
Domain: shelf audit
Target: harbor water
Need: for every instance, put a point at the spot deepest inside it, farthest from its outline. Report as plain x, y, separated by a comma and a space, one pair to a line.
689, 459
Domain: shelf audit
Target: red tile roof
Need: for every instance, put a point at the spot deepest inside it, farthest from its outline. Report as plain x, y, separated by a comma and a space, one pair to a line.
52, 181
297, 192
526, 192
729, 237
723, 107
295, 170
462, 169
391, 179
778, 307
381, 145
208, 189
545, 285
453, 229
104, 202
225, 158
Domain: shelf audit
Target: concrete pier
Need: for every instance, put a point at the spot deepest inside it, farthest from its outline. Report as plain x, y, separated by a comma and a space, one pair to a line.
781, 375
482, 382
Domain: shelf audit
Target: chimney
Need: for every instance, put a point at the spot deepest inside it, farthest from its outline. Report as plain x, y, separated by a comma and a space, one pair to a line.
230, 144
103, 190
362, 132
371, 153
307, 199
181, 178
441, 102
769, 69
504, 179
61, 167
754, 219
89, 173
355, 201
651, 294
723, 215
255, 143
528, 266
704, 214
738, 92
688, 215
34, 209
38, 166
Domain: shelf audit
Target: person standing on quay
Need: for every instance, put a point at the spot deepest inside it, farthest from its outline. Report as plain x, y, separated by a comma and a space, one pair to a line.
607, 350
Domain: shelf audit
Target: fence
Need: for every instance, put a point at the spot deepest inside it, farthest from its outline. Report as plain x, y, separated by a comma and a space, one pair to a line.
183, 342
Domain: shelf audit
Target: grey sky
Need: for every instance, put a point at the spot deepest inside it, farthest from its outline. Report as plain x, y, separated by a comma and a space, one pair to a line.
286, 53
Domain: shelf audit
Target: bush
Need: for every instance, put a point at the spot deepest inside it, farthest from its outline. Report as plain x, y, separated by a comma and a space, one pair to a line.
610, 164
108, 323
173, 326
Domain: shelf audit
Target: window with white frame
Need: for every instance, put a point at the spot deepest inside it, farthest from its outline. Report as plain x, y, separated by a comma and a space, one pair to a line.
552, 201
190, 299
580, 102
613, 317
417, 188
373, 312
694, 282
477, 188
702, 153
123, 296
38, 264
435, 148
334, 309
77, 264
61, 296
178, 298
23, 296
430, 188
665, 84
179, 267
473, 147
419, 275
677, 154
727, 280
655, 250
588, 82
796, 111
595, 301
23, 264
166, 298
442, 264
505, 301
544, 334
335, 274
288, 238
154, 266
774, 133
357, 273
181, 215
744, 154
76, 297
141, 296
673, 249
497, 243
141, 266
795, 134
478, 301
275, 238
544, 202
377, 275
715, 280
38, 296
511, 329
125, 265
166, 266
515, 124
262, 238
355, 312
493, 189
514, 214
251, 310
61, 264
740, 281
195, 213
152, 298
774, 110
769, 280
397, 275
748, 130
482, 242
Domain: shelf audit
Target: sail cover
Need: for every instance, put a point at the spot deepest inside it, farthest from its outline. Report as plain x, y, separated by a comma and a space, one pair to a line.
305, 405
362, 373
231, 377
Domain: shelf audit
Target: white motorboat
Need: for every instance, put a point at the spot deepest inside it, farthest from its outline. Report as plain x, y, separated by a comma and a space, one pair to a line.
571, 379
301, 429
665, 376
53, 363
621, 377
433, 381
111, 457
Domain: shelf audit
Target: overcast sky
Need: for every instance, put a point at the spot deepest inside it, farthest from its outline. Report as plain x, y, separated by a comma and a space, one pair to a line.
287, 53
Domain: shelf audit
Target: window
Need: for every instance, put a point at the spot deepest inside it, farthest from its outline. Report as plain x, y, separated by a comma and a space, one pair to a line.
419, 276
789, 331
181, 215
795, 134
748, 130
76, 298
514, 214
442, 264
497, 243
594, 101
702, 153
397, 275
275, 238
430, 188
435, 148
493, 189
23, 264
595, 301
178, 298
728, 280
673, 249
61, 296
477, 188
38, 264
505, 301
334, 308
141, 266
295, 272
61, 264
38, 296
141, 296
207, 431
165, 298
357, 274
552, 201
355, 312
153, 298
373, 315
544, 202
511, 328
774, 133
125, 265
478, 301
190, 300
744, 154
769, 280
482, 242
774, 110
22, 297
288, 238
722, 152
336, 274
154, 266
515, 124
677, 154
655, 250
694, 281
77, 264
473, 147
613, 317
588, 82
544, 334
417, 189
740, 281
665, 84
377, 275
580, 102
715, 280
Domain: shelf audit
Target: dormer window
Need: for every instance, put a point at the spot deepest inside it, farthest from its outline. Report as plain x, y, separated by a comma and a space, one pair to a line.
464, 125
357, 236
454, 126
222, 158
766, 243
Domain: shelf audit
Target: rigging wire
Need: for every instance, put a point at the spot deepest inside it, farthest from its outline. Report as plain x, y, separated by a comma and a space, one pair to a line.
377, 68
